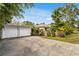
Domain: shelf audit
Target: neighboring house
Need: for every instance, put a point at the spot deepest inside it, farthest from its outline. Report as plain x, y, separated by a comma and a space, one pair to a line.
42, 28
11, 31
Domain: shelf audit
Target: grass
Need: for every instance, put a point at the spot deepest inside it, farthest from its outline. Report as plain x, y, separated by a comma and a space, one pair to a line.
73, 38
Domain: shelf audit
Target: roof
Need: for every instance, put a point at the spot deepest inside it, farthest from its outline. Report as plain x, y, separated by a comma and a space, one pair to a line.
17, 25
41, 25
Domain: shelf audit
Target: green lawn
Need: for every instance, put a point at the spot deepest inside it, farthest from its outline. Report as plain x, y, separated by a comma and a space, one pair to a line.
73, 38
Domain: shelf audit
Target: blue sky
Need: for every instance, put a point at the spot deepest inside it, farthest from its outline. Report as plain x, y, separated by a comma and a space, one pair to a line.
41, 12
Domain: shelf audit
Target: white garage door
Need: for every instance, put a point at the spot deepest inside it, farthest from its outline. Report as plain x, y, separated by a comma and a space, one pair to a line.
9, 31
15, 31
25, 31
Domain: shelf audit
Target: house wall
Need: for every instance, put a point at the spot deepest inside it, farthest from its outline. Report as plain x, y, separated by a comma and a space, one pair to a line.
14, 31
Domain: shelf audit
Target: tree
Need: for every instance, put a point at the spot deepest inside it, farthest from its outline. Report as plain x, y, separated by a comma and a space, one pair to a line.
56, 16
51, 29
69, 13
28, 23
77, 23
8, 11
64, 17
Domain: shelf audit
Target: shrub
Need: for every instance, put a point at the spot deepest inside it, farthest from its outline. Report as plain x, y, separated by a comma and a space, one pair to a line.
35, 31
48, 32
68, 29
61, 32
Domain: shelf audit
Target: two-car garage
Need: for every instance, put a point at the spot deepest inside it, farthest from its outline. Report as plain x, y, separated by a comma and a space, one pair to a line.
11, 31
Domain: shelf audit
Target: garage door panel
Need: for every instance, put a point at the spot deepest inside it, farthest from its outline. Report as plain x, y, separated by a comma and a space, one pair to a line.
9, 32
25, 31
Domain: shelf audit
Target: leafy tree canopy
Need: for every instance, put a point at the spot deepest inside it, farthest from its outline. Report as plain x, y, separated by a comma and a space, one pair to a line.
10, 10
28, 23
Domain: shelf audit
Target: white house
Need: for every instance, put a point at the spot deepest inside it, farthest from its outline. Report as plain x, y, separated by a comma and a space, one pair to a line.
11, 31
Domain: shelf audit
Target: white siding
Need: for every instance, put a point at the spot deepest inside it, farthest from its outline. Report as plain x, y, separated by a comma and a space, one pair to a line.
8, 32
25, 31
14, 31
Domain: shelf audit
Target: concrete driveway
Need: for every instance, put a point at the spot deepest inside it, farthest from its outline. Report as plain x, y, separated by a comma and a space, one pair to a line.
37, 46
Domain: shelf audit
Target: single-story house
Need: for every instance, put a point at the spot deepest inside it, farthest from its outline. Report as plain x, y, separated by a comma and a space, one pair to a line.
42, 27
12, 31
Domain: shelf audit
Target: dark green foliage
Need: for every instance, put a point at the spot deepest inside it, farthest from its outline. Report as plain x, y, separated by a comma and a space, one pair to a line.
35, 32
10, 10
